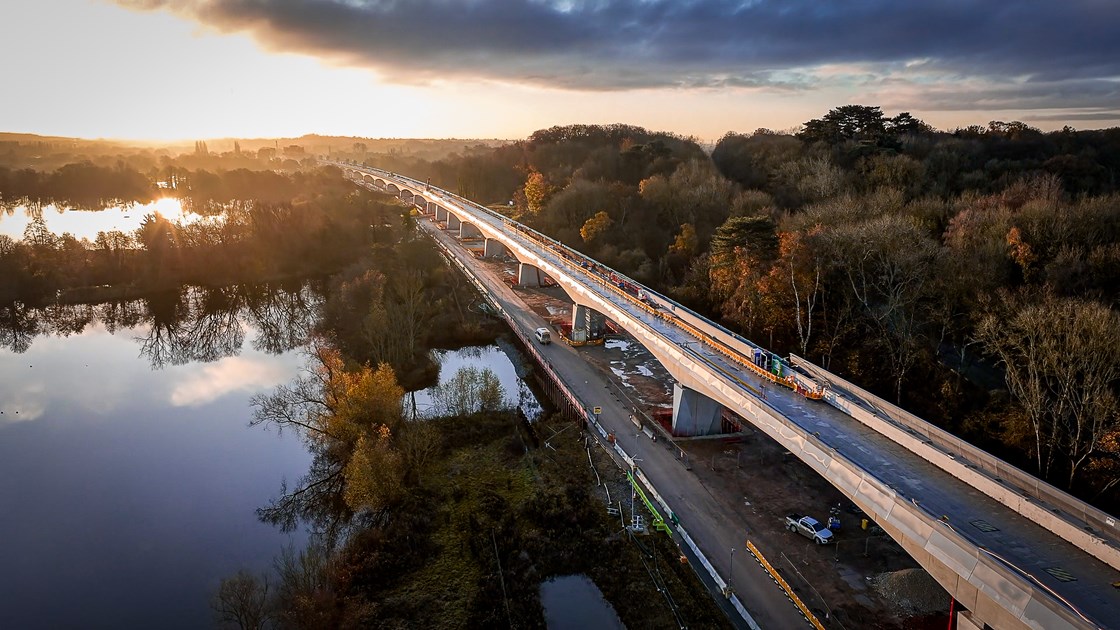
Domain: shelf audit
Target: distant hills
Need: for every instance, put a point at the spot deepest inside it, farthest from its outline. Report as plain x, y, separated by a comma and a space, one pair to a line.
311, 143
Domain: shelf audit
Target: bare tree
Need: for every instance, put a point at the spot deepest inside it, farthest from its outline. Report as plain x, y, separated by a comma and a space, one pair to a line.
1062, 363
242, 601
887, 262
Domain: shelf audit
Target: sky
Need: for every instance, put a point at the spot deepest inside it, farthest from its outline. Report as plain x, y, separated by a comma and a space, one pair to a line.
195, 69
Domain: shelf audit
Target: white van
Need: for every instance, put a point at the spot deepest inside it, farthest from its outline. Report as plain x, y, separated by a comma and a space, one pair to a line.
543, 335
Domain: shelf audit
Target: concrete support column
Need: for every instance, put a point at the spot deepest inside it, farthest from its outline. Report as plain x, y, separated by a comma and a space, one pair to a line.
587, 323
528, 275
579, 323
694, 413
469, 230
430, 207
453, 222
493, 248
441, 213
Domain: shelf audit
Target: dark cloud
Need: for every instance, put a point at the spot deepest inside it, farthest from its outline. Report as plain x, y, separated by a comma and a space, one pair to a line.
1095, 116
627, 44
1087, 94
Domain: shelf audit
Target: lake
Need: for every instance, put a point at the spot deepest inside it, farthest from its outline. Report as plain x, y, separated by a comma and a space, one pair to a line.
87, 223
128, 473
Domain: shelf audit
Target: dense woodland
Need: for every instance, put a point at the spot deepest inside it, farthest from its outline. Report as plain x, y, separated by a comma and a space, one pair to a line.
48, 154
970, 275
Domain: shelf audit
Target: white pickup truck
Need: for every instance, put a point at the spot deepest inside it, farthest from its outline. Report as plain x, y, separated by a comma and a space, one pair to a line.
809, 527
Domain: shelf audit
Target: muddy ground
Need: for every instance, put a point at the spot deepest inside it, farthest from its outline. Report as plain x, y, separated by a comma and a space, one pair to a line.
760, 482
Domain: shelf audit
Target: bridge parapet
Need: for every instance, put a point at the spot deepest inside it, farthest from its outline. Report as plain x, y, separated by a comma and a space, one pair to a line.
1091, 529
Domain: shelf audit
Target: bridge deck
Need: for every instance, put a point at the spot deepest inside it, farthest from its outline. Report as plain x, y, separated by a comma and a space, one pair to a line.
1018, 541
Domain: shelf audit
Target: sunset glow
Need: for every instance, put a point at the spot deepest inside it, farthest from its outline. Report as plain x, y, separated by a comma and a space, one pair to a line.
186, 69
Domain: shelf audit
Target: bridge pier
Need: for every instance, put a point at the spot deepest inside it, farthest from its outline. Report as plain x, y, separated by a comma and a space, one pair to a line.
430, 207
441, 213
493, 248
453, 222
694, 413
587, 323
469, 230
528, 275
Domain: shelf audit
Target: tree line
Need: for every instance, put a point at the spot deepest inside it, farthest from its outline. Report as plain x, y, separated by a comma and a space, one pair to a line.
277, 225
930, 266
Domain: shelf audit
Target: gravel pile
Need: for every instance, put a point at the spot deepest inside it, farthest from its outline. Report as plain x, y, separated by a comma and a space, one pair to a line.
911, 592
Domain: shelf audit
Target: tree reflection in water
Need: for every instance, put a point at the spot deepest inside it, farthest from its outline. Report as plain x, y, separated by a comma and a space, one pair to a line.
19, 325
193, 324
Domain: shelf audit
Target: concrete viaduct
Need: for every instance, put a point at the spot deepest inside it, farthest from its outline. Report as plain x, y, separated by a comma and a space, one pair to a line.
1012, 550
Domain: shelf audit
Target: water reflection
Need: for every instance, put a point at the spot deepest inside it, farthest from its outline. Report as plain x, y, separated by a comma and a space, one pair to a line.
119, 479
87, 223
574, 602
511, 373
192, 324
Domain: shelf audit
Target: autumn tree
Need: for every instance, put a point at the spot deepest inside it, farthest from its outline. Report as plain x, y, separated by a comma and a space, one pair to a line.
800, 269
742, 251
348, 416
685, 243
537, 192
597, 227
